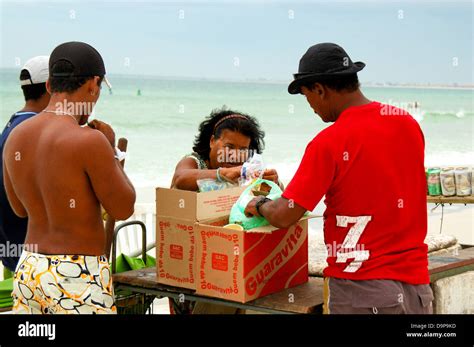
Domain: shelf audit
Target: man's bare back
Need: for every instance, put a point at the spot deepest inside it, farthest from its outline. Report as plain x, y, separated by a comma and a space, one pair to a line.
58, 174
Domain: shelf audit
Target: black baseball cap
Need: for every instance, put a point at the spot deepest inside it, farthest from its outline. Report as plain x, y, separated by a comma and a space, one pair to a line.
322, 61
85, 59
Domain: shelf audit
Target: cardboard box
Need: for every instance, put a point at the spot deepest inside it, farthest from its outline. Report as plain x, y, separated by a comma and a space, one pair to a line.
177, 214
245, 265
175, 252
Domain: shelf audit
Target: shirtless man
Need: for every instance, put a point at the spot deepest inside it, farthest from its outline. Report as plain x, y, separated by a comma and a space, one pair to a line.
59, 174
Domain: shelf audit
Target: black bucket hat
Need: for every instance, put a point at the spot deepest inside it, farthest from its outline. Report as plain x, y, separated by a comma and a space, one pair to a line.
322, 61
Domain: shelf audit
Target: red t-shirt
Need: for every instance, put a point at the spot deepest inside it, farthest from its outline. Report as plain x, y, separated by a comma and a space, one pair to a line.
370, 166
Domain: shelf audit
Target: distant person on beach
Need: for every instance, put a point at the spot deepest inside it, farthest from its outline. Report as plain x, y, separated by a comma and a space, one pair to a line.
370, 166
33, 77
58, 173
226, 139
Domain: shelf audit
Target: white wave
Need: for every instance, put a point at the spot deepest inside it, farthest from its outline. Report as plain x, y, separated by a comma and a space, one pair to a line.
418, 115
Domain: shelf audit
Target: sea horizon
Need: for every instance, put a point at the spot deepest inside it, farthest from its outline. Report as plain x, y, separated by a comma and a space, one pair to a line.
263, 80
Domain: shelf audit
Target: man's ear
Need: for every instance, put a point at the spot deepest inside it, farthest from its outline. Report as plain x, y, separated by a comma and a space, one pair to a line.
93, 86
319, 89
48, 86
212, 141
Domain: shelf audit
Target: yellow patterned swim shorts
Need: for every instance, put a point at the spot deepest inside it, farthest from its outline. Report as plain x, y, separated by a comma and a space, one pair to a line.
63, 284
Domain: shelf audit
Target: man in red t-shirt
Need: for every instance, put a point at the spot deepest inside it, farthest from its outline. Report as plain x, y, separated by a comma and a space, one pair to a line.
370, 166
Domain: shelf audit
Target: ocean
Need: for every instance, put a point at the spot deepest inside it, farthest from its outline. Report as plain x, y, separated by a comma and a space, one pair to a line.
161, 123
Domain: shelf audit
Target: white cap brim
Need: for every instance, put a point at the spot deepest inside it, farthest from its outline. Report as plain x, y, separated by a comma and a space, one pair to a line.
107, 83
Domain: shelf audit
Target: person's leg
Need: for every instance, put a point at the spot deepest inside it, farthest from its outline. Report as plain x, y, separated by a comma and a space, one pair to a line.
418, 299
25, 298
83, 286
338, 297
63, 284
364, 297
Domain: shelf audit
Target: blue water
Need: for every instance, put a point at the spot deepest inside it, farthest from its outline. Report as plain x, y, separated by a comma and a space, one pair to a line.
161, 123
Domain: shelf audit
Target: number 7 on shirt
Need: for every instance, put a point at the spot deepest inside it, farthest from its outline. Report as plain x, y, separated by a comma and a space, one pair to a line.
351, 240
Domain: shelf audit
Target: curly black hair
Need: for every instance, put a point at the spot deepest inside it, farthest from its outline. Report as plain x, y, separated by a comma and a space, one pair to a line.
245, 125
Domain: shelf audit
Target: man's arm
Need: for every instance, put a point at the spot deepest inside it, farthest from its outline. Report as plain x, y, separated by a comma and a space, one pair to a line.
15, 203
111, 185
281, 213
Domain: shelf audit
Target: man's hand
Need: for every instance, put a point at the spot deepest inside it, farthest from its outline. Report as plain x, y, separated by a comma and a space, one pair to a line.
105, 129
251, 208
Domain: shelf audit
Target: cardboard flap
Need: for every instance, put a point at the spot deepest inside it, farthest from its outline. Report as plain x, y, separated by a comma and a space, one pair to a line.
195, 206
217, 203
176, 203
209, 227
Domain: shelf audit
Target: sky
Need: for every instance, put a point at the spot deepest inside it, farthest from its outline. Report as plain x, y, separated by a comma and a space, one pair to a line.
400, 41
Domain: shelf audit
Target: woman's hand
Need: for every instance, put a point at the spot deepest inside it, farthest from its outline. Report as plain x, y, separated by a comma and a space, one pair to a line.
231, 174
271, 175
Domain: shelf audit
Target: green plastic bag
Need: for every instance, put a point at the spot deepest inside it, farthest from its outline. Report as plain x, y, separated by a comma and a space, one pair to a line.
237, 215
6, 288
126, 263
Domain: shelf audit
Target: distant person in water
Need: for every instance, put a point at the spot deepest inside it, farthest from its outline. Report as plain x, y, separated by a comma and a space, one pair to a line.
226, 139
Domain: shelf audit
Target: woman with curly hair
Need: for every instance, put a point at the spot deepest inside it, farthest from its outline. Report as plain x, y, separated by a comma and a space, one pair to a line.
226, 139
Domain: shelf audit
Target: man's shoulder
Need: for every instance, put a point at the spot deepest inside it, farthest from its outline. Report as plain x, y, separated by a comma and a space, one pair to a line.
21, 124
89, 135
94, 145
14, 133
388, 109
19, 117
325, 136
391, 110
91, 141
